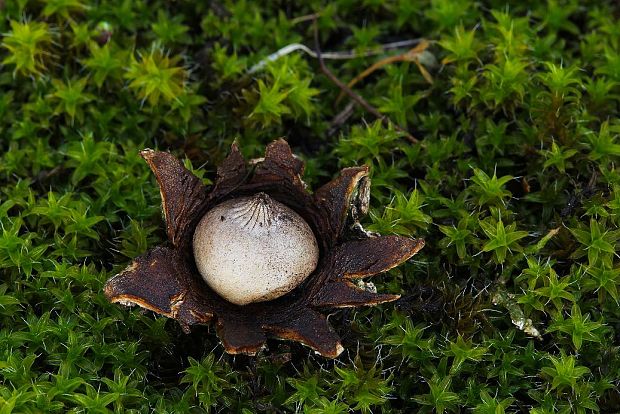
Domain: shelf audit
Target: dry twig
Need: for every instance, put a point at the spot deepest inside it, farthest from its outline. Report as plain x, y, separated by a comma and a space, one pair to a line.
357, 98
341, 55
412, 55
340, 119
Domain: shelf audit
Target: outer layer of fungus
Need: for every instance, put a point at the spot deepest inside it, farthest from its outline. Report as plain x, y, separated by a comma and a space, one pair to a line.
166, 279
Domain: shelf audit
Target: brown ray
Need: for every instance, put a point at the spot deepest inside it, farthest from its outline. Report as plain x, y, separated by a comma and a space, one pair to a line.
240, 335
367, 257
311, 329
280, 167
334, 198
344, 294
182, 193
231, 173
160, 281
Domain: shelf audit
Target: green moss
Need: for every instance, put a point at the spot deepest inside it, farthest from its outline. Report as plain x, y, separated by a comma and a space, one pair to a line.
512, 306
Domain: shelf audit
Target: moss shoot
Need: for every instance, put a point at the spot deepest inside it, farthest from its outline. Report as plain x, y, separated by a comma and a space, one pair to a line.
497, 141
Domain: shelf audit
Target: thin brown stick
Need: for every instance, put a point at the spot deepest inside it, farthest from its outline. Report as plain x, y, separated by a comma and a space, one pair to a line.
305, 18
357, 98
409, 56
340, 119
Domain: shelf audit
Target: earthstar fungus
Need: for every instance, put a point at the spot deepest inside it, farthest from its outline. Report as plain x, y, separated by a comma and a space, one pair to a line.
167, 280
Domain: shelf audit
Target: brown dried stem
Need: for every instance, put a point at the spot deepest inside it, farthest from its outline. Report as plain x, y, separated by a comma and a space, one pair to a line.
357, 98
412, 55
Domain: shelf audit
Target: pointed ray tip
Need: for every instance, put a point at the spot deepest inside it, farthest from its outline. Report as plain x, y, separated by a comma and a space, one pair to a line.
420, 243
147, 153
411, 244
108, 290
278, 155
411, 247
281, 144
280, 140
335, 353
353, 175
339, 348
